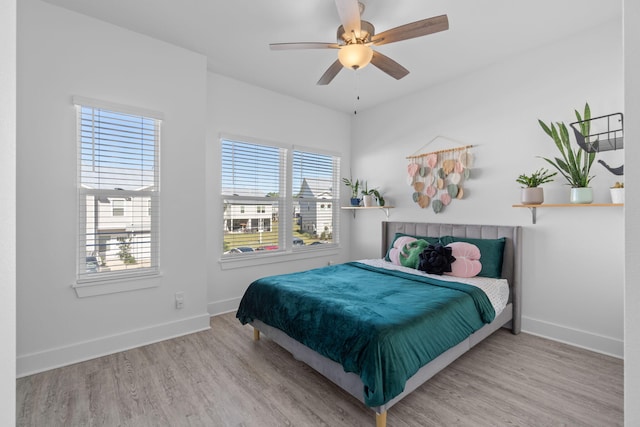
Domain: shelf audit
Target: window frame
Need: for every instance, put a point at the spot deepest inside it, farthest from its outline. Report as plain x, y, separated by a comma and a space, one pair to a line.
286, 248
107, 282
119, 209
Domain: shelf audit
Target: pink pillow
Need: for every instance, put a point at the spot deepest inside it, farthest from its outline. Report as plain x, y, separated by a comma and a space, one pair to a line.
467, 262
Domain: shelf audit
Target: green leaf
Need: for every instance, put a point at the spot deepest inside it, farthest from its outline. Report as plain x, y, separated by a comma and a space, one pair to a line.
545, 127
587, 119
587, 111
556, 138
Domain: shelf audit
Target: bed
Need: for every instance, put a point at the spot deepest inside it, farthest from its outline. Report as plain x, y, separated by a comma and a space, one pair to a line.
374, 351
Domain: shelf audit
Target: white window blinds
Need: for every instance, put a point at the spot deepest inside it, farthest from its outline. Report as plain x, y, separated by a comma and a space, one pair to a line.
251, 169
253, 177
277, 199
118, 164
315, 178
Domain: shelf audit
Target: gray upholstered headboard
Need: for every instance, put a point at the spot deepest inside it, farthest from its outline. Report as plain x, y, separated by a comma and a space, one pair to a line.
511, 264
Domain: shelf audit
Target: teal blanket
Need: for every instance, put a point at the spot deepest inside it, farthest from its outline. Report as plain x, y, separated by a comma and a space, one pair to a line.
383, 325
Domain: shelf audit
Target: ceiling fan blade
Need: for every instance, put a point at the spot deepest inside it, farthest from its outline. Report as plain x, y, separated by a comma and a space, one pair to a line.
303, 45
388, 65
331, 72
412, 30
349, 12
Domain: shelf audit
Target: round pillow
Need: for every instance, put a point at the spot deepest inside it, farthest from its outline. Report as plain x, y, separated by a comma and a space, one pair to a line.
467, 263
398, 248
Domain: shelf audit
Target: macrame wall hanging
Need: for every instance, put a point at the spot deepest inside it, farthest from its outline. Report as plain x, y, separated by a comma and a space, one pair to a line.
438, 177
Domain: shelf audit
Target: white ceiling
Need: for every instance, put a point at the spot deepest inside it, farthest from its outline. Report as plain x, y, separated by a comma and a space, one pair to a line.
235, 37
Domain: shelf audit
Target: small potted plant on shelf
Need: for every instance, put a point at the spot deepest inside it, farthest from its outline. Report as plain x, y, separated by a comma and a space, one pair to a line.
369, 195
532, 193
354, 186
378, 197
617, 192
575, 165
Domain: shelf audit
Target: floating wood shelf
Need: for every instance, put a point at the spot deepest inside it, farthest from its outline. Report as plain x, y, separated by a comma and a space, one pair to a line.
533, 208
357, 208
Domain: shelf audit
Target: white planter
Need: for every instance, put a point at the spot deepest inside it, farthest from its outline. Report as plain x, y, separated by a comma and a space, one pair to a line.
617, 195
368, 201
532, 196
582, 195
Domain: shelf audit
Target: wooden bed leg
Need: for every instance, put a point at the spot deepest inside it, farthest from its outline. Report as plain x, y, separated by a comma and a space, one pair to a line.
256, 334
381, 419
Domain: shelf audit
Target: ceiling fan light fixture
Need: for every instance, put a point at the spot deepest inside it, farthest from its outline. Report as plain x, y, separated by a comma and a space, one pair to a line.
355, 56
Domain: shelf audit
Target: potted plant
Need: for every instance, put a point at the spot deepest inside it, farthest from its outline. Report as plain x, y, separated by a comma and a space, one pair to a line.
575, 165
369, 195
532, 193
354, 186
378, 197
617, 192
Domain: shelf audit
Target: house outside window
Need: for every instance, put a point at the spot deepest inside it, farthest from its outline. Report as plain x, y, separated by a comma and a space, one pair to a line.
118, 191
286, 216
315, 177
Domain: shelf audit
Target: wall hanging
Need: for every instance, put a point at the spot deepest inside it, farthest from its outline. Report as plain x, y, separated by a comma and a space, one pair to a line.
438, 177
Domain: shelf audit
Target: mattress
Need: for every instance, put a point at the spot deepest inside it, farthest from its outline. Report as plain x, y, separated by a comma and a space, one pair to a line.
497, 290
380, 323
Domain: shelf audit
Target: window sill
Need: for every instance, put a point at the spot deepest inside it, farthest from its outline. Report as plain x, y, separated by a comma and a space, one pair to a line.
251, 260
98, 287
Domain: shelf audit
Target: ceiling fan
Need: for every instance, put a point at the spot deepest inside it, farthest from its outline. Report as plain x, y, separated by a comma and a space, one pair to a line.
355, 38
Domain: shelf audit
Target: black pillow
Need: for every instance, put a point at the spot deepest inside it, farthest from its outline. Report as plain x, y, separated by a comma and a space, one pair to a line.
436, 259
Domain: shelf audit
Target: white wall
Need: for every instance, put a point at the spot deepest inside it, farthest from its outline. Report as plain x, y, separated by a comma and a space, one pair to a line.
61, 54
8, 211
240, 109
572, 253
632, 212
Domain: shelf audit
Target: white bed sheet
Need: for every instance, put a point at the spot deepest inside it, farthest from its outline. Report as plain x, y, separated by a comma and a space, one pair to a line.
497, 290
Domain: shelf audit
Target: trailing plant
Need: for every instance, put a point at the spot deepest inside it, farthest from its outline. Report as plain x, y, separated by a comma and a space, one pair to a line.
379, 197
574, 165
539, 177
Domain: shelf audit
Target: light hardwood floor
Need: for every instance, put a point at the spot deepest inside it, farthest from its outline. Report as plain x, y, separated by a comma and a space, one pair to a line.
222, 377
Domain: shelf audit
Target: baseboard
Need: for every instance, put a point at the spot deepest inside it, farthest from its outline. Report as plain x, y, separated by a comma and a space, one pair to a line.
575, 337
225, 306
33, 363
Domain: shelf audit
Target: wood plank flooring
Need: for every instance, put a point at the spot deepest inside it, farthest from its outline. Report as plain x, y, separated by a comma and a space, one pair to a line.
222, 377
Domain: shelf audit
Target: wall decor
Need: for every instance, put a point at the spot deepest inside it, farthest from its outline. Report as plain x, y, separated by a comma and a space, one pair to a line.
438, 177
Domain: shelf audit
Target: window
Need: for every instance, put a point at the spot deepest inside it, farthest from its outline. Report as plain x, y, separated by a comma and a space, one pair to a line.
314, 185
117, 207
286, 188
118, 192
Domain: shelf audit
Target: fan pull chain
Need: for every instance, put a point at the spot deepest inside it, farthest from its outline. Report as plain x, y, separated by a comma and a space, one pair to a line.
357, 91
